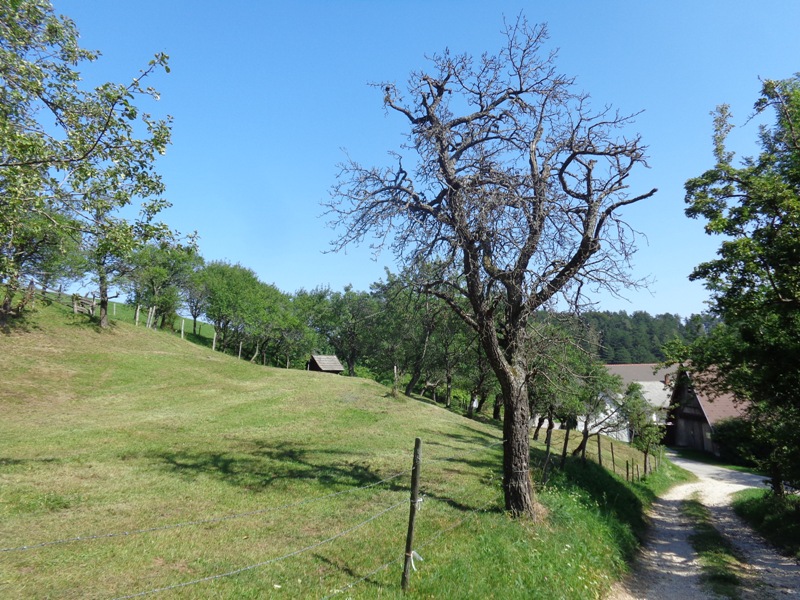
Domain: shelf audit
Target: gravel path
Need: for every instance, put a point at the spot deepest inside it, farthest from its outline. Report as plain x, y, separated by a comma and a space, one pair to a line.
667, 567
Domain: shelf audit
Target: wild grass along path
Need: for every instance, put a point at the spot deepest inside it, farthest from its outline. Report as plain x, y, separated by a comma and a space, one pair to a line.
667, 567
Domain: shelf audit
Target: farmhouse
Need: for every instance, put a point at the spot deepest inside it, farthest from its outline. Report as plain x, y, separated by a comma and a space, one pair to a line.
693, 414
325, 363
655, 384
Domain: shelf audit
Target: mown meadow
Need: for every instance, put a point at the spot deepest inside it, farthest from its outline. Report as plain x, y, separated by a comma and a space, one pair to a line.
134, 463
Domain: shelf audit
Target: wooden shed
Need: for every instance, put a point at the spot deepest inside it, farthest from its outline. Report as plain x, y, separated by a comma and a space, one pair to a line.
693, 413
325, 364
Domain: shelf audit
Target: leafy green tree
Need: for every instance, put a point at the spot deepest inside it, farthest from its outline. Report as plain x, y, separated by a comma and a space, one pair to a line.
42, 253
647, 431
345, 321
82, 153
232, 291
600, 405
312, 307
195, 293
755, 279
160, 274
404, 332
513, 193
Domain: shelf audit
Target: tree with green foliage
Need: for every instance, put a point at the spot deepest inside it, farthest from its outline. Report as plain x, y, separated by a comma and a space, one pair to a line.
601, 405
513, 192
345, 321
160, 273
403, 335
232, 291
646, 429
66, 150
755, 279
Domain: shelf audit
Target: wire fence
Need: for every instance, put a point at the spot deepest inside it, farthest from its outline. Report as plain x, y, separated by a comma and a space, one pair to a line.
371, 518
100, 536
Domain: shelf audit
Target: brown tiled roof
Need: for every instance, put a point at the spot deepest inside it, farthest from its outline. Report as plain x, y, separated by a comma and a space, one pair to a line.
718, 407
715, 406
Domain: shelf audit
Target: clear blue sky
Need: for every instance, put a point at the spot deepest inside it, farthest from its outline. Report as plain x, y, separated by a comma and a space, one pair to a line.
266, 95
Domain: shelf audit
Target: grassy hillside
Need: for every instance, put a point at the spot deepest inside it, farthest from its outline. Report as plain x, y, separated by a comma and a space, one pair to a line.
132, 461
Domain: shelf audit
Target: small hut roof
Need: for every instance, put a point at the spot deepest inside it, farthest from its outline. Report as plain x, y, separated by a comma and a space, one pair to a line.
327, 362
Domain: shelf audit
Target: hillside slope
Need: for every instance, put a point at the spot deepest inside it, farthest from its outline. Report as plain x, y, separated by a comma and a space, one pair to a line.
133, 462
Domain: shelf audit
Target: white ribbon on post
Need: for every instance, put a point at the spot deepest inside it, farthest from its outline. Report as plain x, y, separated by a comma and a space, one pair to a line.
418, 557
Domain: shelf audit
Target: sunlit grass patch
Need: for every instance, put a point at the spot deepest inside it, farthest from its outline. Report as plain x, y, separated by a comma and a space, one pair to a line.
132, 461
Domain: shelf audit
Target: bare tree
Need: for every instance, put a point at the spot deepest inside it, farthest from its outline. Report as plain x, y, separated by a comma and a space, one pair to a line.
513, 196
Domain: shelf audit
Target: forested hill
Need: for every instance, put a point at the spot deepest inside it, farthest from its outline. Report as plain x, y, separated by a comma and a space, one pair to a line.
639, 337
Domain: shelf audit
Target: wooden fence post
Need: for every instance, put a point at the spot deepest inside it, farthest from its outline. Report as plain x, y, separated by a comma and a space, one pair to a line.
214, 343
599, 451
240, 350
183, 323
627, 470
638, 475
136, 317
412, 515
613, 460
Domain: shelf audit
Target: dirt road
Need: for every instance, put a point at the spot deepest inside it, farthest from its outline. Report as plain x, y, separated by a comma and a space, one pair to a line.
667, 567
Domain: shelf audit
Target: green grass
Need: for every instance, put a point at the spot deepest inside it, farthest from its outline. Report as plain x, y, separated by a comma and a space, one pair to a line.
722, 566
777, 520
129, 430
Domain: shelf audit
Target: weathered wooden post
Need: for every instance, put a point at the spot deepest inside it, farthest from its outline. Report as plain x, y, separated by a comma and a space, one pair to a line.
412, 516
136, 318
183, 324
613, 459
627, 470
214, 342
240, 349
638, 475
599, 451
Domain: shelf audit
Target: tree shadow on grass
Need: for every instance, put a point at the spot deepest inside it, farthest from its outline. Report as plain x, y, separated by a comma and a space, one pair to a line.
264, 466
18, 324
11, 463
610, 495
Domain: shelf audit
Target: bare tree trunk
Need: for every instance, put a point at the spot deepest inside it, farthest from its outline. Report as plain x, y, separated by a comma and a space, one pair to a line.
539, 424
516, 455
566, 444
416, 370
498, 404
548, 439
102, 281
581, 449
484, 395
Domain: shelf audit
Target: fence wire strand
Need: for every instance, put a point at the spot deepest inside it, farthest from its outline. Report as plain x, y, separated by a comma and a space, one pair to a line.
198, 521
266, 562
468, 453
384, 566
